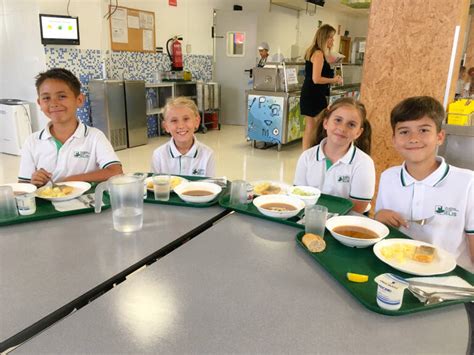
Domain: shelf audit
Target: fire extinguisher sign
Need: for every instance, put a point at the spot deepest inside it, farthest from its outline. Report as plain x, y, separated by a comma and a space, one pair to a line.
173, 2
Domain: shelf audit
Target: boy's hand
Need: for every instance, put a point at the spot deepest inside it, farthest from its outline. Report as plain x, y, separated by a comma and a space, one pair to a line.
40, 177
391, 218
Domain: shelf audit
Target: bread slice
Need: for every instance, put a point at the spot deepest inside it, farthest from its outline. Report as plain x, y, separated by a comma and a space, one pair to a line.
315, 243
424, 254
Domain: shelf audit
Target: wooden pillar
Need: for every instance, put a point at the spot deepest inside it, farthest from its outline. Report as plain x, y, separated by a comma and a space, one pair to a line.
408, 53
470, 46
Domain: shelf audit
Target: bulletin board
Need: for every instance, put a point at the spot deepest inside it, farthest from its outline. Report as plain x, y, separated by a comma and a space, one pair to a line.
131, 29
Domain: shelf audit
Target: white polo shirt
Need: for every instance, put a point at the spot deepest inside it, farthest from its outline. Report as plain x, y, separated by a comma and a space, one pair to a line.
352, 176
198, 161
447, 194
87, 150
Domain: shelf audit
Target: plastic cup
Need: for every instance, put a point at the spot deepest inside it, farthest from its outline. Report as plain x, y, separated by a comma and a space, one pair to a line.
315, 219
162, 186
238, 193
142, 177
26, 203
7, 203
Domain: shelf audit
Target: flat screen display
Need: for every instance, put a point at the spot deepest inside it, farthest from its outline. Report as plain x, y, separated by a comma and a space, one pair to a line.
57, 29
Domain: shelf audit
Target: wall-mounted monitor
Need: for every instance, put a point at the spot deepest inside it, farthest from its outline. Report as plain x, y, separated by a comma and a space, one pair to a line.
56, 29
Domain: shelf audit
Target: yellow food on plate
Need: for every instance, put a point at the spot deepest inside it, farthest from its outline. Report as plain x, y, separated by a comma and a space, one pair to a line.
266, 188
315, 243
174, 181
61, 191
357, 277
400, 252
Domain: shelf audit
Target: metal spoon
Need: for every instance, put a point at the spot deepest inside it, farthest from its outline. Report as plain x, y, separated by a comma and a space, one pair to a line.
437, 296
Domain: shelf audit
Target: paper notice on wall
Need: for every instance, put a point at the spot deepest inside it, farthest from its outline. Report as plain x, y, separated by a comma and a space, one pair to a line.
119, 31
133, 22
362, 47
146, 21
291, 76
147, 40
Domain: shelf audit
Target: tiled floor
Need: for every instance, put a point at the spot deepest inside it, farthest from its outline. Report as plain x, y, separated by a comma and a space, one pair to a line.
235, 157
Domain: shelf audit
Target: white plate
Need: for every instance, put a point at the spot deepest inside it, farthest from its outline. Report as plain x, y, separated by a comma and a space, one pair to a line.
442, 263
79, 188
22, 187
284, 188
150, 179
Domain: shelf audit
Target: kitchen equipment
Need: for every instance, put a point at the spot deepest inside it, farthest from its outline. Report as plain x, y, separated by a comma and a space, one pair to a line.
126, 198
15, 125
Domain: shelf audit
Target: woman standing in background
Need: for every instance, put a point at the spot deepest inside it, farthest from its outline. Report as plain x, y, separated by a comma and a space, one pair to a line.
318, 76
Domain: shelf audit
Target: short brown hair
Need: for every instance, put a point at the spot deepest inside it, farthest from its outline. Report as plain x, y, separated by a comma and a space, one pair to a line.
417, 107
180, 101
59, 74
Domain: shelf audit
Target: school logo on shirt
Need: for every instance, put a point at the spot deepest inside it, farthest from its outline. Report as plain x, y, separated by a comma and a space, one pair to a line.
81, 154
343, 178
446, 211
198, 172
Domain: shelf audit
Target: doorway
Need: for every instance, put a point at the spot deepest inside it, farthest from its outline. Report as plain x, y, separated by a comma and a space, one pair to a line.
235, 48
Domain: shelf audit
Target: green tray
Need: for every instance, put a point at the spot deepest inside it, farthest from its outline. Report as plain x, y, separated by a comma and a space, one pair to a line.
334, 204
45, 210
338, 260
176, 201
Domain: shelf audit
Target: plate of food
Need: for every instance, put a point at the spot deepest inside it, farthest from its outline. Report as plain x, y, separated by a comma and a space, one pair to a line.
174, 181
63, 191
414, 257
267, 187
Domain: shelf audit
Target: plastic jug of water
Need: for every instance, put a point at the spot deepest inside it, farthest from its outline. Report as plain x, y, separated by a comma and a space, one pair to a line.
126, 198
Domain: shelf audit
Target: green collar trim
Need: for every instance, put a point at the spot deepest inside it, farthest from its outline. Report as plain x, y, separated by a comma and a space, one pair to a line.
328, 164
444, 175
58, 144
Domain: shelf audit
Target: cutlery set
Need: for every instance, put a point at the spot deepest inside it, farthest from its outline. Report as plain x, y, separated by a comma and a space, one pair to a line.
443, 292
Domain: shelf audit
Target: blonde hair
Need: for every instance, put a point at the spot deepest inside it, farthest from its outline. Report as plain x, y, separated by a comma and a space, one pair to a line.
179, 101
365, 139
320, 40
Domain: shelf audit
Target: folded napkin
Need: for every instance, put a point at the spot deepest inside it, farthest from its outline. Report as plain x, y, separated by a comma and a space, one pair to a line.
443, 280
69, 205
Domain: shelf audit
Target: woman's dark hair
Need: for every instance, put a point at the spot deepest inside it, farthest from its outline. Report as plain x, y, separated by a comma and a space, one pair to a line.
417, 107
59, 74
364, 141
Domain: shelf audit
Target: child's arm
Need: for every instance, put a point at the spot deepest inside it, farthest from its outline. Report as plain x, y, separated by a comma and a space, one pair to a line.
40, 177
359, 206
391, 218
97, 175
470, 243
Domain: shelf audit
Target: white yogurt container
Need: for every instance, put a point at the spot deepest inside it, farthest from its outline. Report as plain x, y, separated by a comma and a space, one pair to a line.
26, 204
390, 291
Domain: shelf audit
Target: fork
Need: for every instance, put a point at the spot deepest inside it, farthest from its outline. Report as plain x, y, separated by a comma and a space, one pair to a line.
438, 296
422, 221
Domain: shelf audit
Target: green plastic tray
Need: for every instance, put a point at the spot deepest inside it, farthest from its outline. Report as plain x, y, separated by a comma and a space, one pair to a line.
334, 204
45, 210
338, 260
176, 201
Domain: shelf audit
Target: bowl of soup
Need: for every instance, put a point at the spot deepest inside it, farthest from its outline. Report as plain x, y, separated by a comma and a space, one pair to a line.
278, 206
197, 192
355, 231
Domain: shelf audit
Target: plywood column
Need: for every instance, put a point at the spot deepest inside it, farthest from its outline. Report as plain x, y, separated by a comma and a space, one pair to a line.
408, 52
470, 46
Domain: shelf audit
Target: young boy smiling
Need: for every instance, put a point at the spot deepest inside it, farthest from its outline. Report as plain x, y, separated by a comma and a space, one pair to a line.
183, 154
67, 149
425, 186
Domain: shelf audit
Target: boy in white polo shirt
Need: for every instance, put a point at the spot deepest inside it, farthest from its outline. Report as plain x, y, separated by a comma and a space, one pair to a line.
67, 149
425, 187
183, 154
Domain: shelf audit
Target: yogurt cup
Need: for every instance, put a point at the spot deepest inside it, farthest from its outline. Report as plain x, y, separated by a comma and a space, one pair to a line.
26, 203
390, 291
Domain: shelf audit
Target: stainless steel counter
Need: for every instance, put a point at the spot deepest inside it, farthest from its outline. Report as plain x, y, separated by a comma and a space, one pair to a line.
244, 286
458, 148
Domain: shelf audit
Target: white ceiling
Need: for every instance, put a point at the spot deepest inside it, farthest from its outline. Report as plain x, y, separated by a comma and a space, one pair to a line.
333, 5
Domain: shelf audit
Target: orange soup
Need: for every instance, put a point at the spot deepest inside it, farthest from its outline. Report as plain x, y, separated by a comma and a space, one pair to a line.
356, 232
197, 193
278, 206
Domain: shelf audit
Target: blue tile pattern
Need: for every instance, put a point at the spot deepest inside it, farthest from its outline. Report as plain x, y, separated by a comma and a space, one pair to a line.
86, 65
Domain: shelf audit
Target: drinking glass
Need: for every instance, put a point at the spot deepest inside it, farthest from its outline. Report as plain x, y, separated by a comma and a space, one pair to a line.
7, 203
238, 192
161, 186
315, 219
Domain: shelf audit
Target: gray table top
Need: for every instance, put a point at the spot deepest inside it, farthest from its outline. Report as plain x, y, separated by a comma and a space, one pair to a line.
244, 286
44, 265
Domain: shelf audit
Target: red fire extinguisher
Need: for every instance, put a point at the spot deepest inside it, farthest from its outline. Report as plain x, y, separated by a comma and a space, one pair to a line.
176, 55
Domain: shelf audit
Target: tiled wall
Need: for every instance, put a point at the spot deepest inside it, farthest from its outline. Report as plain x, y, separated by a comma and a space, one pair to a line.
87, 65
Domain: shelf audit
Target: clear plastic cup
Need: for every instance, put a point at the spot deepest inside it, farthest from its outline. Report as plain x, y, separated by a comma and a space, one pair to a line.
238, 193
315, 219
162, 186
7, 203
26, 203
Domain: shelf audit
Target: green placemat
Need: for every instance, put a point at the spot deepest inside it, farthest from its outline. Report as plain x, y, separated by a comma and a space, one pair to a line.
176, 201
338, 260
46, 210
333, 203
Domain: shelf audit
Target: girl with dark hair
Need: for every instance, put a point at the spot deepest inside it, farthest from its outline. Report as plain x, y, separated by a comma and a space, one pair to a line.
340, 163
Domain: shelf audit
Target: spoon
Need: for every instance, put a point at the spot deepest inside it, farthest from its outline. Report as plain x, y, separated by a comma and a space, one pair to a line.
437, 296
